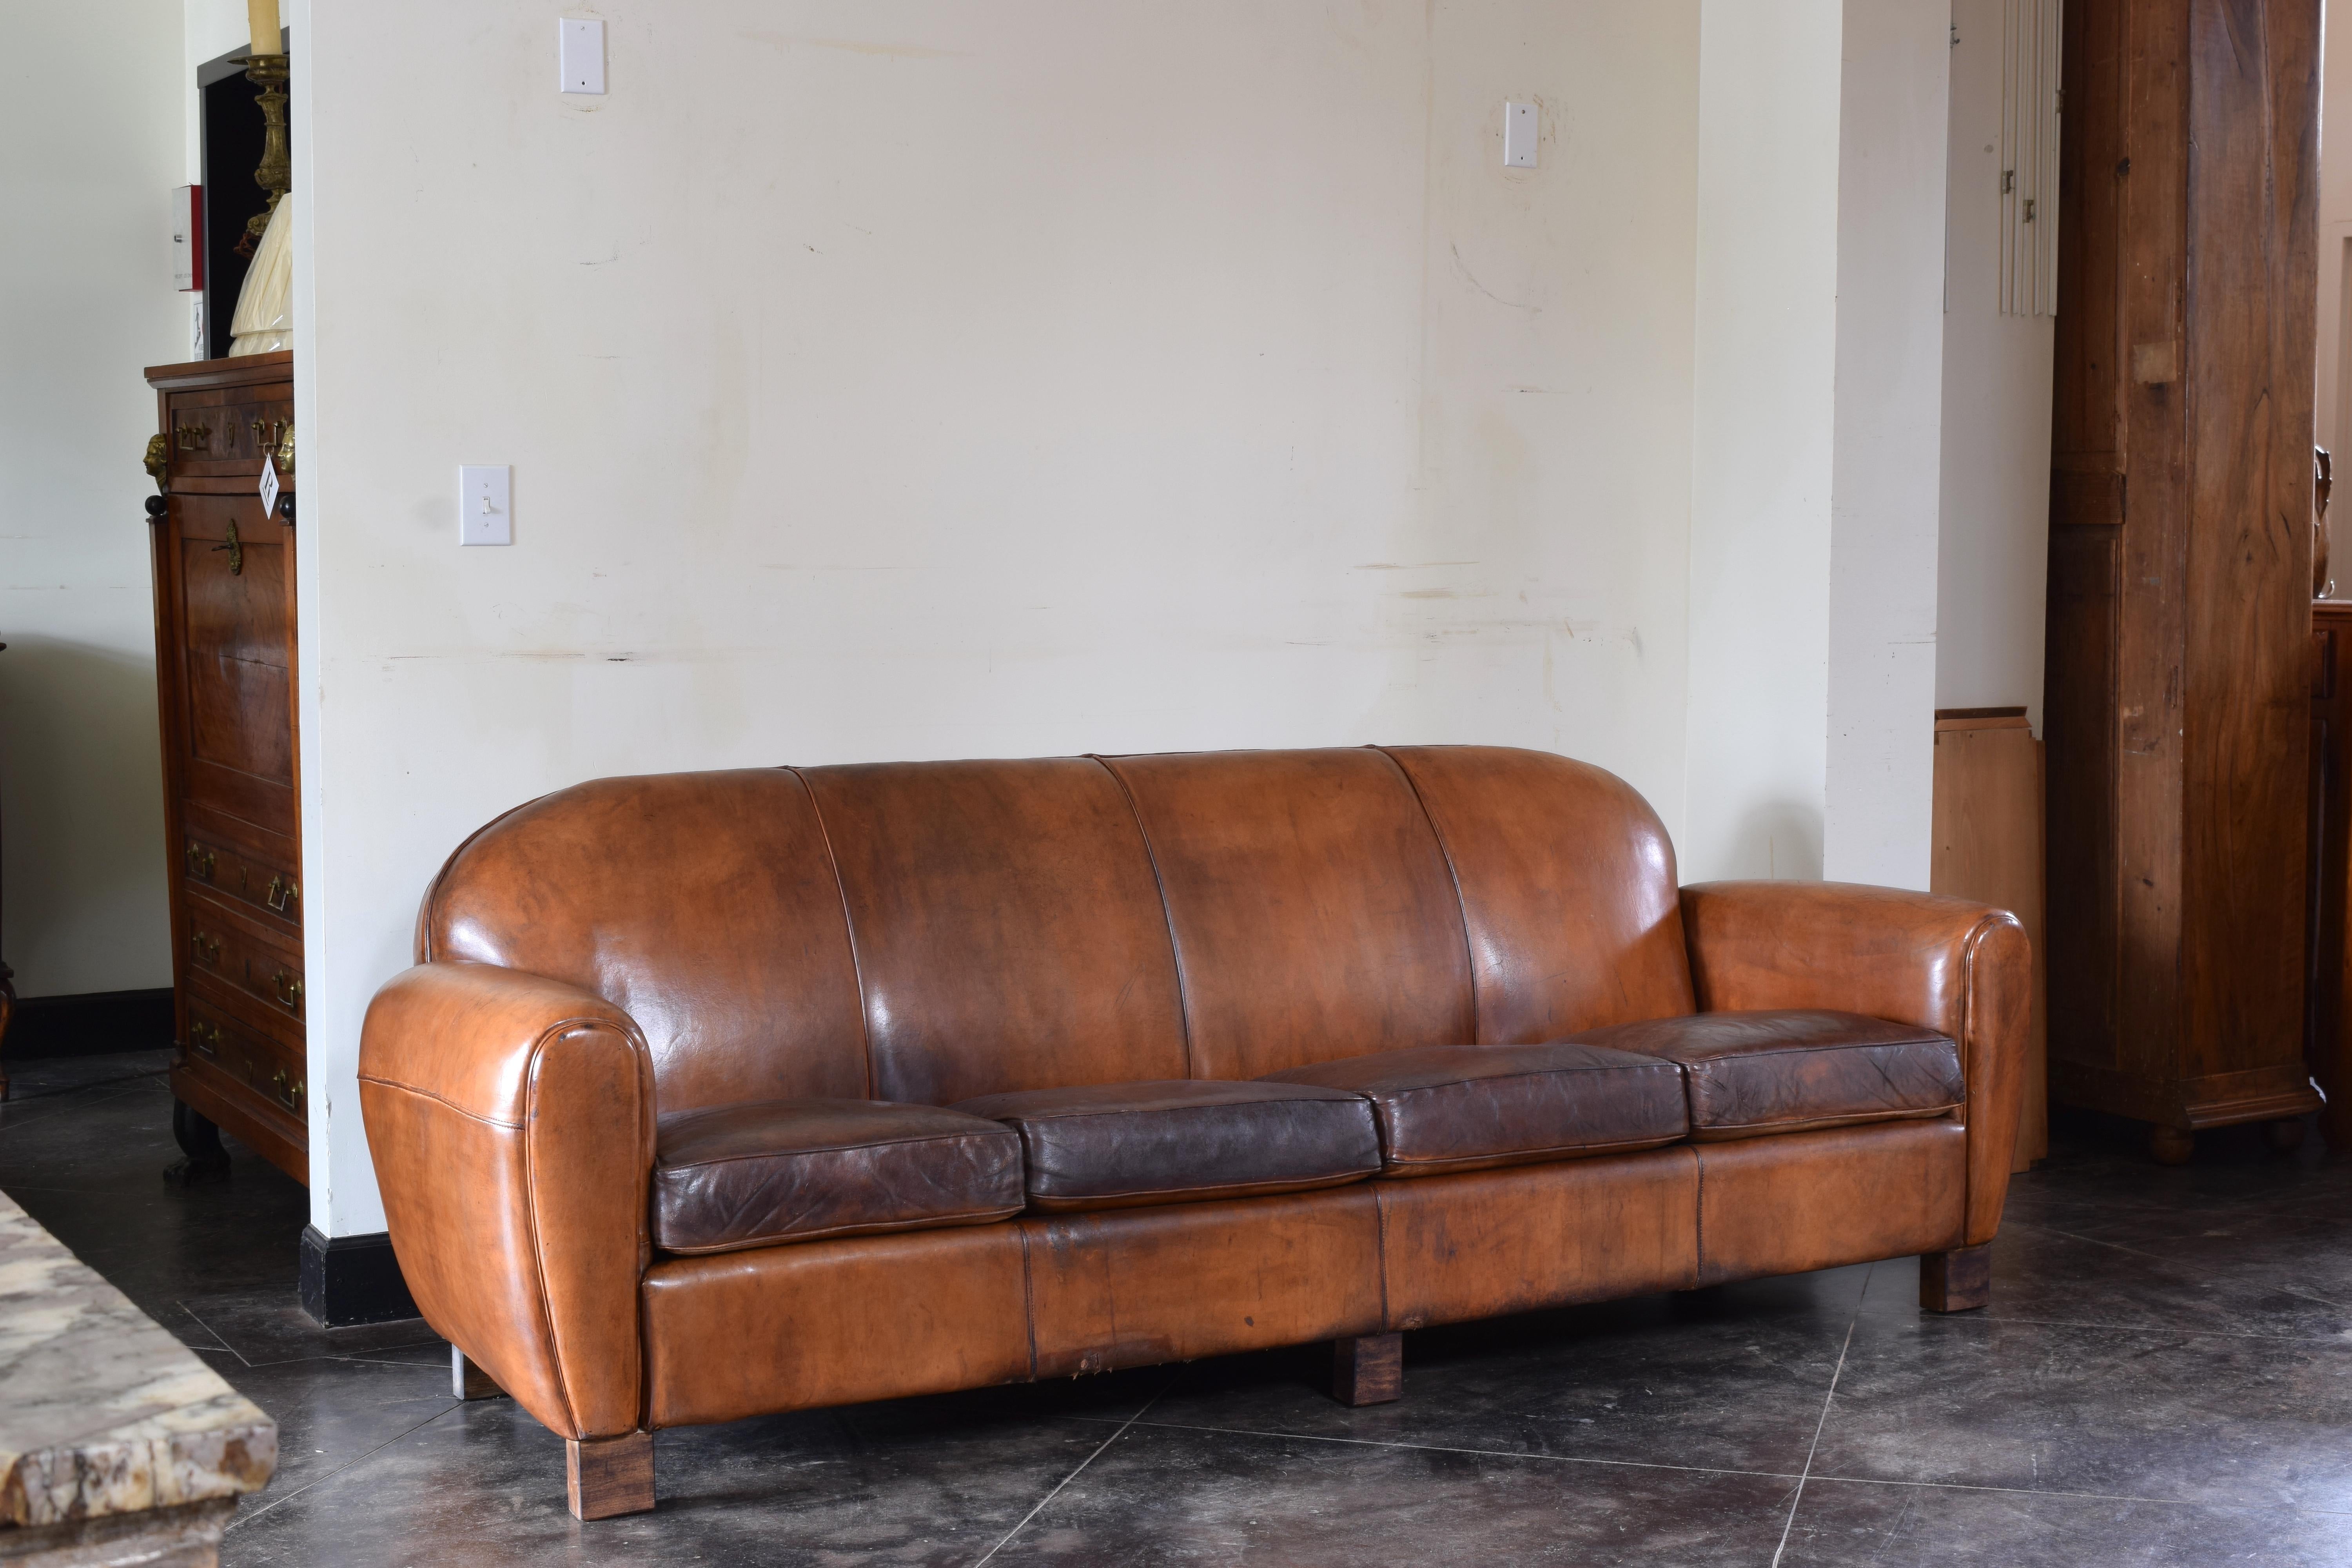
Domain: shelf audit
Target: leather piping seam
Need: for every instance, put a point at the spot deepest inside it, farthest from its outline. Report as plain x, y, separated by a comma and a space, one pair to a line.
963, 1221
1273, 1186
530, 1187
1698, 1214
1762, 1052
1167, 912
823, 1149
1453, 874
1823, 1124
444, 1100
559, 1025
1028, 1299
1023, 1118
848, 926
1566, 1151
1986, 924
1376, 1095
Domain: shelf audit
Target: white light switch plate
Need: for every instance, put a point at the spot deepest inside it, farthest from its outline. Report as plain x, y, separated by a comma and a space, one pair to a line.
486, 504
1520, 128
580, 53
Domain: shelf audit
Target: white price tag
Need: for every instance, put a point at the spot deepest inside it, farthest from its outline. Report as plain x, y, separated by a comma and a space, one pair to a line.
269, 486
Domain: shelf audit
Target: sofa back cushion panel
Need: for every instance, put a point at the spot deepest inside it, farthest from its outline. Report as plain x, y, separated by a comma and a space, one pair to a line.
1313, 912
1007, 926
731, 1176
702, 904
1568, 888
1131, 1145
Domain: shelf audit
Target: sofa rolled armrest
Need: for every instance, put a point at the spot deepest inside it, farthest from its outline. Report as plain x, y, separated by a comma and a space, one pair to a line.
1960, 968
511, 1118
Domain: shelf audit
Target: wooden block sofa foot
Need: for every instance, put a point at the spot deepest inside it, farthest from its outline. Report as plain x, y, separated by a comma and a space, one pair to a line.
1959, 1281
468, 1381
1368, 1369
604, 1478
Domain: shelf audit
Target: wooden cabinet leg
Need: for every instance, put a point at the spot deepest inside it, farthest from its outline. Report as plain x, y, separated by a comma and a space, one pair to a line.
2285, 1135
604, 1478
2171, 1145
199, 1140
1959, 1281
1368, 1369
468, 1381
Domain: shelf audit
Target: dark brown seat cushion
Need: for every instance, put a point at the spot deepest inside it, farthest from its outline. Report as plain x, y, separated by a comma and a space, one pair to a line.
795, 1170
1121, 1145
1789, 1070
1466, 1107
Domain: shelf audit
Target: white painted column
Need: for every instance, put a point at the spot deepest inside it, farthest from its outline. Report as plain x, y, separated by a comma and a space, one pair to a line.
1764, 404
1884, 504
1817, 405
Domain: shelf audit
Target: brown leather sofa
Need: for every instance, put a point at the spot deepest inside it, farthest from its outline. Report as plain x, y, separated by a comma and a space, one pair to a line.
719, 1094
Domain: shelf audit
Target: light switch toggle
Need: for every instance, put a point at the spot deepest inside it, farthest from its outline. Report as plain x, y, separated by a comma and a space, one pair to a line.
486, 504
1520, 124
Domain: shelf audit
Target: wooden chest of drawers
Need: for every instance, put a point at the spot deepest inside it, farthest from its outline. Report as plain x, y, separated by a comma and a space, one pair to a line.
225, 671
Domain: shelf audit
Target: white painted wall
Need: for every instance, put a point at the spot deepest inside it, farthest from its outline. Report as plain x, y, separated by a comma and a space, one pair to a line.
2335, 388
88, 116
1993, 554
1144, 378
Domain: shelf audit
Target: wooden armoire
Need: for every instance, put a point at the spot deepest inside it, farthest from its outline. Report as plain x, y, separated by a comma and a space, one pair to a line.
2177, 699
224, 574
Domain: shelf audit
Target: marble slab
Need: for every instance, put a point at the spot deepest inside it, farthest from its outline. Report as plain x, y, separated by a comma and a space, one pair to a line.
101, 1411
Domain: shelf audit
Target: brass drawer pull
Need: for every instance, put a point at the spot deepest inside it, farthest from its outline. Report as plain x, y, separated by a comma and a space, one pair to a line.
267, 433
201, 860
289, 1089
208, 947
192, 437
205, 1038
289, 990
281, 893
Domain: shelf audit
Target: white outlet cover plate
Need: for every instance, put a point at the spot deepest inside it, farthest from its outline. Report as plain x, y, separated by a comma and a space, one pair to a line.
1520, 126
486, 504
580, 53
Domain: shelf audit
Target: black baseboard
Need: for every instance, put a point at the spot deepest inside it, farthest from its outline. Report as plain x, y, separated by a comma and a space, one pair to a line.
95, 1023
352, 1279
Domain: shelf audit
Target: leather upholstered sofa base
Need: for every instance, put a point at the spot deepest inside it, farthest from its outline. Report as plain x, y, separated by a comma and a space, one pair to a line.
721, 1095
1057, 1295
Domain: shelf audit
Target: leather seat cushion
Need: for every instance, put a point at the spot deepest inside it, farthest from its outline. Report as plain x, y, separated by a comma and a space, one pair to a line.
1123, 1145
1790, 1070
795, 1170
1466, 1108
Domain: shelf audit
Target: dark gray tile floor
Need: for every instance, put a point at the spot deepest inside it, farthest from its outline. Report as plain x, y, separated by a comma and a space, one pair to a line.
2164, 1378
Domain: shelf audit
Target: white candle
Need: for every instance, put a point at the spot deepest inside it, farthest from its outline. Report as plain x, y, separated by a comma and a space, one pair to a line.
261, 18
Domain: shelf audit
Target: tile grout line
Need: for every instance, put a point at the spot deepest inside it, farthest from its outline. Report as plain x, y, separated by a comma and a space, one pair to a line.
1073, 1476
1987, 1320
242, 1518
1827, 1400
1435, 1448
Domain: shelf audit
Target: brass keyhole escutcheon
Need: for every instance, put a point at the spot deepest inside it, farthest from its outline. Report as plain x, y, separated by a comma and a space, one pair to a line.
236, 552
